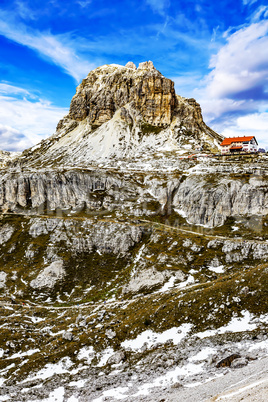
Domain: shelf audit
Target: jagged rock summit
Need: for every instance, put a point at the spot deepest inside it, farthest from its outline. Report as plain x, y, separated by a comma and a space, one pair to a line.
109, 88
124, 112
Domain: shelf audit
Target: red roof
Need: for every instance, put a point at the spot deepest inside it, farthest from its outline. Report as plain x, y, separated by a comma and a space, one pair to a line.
229, 141
236, 147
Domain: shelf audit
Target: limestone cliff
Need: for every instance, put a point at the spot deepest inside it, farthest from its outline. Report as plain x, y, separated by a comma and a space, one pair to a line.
204, 197
110, 88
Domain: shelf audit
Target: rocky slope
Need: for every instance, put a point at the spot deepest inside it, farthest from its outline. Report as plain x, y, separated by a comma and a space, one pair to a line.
7, 157
129, 270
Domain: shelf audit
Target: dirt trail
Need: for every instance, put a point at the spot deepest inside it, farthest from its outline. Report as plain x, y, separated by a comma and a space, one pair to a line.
213, 237
155, 224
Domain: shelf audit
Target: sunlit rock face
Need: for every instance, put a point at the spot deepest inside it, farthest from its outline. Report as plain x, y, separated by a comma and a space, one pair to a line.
109, 88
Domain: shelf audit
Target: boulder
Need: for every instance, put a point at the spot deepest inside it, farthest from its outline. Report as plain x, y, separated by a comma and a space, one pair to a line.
49, 276
227, 361
117, 358
67, 335
238, 363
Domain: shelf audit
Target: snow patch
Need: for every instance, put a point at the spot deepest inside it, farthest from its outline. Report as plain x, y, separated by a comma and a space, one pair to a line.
105, 356
23, 354
180, 212
168, 285
189, 281
234, 228
151, 338
203, 354
50, 370
218, 270
171, 377
117, 393
78, 384
86, 353
56, 396
237, 324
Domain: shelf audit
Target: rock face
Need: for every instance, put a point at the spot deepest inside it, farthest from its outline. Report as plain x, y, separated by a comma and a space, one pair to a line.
96, 219
7, 157
109, 88
148, 279
210, 200
6, 232
104, 238
204, 200
119, 116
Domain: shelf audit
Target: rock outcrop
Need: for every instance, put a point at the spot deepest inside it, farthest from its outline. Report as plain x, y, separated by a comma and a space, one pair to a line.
49, 276
210, 200
109, 88
7, 157
101, 273
207, 199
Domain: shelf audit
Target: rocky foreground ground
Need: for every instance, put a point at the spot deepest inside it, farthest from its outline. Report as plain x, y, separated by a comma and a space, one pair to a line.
134, 259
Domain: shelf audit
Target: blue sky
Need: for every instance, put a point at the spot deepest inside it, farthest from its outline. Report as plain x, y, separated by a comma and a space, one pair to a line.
216, 52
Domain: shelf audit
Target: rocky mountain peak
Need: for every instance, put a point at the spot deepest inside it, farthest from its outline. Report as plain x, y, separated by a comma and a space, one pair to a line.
146, 65
130, 64
108, 88
125, 113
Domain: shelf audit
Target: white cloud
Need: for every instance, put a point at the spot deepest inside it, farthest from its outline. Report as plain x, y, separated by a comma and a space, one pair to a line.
57, 49
256, 122
13, 140
214, 108
158, 6
25, 122
23, 10
260, 12
234, 95
184, 84
7, 89
249, 2
241, 64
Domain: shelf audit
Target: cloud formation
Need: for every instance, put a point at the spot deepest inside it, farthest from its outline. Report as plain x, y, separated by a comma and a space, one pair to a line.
251, 124
32, 119
12, 140
158, 6
58, 49
7, 89
235, 93
249, 2
241, 66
